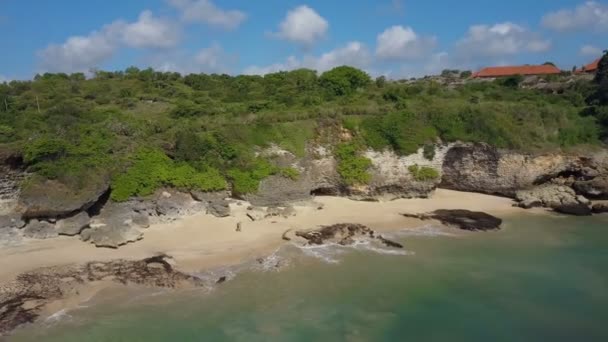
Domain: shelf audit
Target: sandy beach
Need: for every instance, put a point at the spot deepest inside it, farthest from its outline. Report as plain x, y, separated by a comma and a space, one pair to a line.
203, 241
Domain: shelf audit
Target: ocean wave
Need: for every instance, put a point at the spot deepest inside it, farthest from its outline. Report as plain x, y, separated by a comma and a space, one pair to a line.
331, 253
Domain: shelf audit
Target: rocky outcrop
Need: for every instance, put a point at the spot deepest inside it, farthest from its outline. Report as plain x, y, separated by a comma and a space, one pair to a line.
600, 207
560, 198
51, 198
485, 169
23, 300
343, 234
462, 219
11, 221
116, 225
596, 188
36, 229
72, 226
216, 202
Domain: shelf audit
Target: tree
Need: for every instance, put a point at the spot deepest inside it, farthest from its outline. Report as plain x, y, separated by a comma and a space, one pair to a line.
602, 69
344, 80
549, 63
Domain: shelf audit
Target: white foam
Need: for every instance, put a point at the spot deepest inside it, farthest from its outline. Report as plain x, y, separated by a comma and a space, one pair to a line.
58, 316
426, 230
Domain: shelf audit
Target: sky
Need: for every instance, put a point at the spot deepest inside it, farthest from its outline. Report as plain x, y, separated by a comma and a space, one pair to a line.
395, 38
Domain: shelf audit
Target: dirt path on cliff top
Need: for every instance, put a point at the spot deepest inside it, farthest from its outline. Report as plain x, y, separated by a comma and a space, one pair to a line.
204, 241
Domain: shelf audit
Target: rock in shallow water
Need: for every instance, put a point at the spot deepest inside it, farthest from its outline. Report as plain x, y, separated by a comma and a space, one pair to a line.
343, 234
600, 208
462, 219
576, 209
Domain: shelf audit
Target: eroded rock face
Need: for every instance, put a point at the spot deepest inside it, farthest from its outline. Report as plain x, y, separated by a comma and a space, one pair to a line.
50, 198
11, 221
23, 300
36, 229
485, 169
462, 219
72, 226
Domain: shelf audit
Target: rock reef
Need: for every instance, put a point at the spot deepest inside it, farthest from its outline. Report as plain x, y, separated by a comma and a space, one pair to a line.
462, 219
22, 300
344, 234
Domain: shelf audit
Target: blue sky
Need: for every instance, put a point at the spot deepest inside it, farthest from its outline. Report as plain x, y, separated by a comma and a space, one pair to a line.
398, 38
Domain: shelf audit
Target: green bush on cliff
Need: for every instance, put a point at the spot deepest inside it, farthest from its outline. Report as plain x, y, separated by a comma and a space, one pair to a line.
424, 173
352, 167
152, 169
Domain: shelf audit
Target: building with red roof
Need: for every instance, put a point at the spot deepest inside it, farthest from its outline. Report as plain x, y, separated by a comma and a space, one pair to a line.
590, 68
524, 70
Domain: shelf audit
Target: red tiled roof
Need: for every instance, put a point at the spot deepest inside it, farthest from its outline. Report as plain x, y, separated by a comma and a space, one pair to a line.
591, 67
517, 70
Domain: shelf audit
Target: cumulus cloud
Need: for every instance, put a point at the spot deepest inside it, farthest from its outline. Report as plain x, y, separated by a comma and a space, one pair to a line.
205, 11
210, 60
500, 40
400, 43
354, 54
303, 25
149, 32
80, 53
588, 16
590, 51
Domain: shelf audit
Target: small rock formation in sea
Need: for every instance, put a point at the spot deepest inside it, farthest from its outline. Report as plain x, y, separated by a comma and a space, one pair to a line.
344, 234
462, 219
22, 300
560, 198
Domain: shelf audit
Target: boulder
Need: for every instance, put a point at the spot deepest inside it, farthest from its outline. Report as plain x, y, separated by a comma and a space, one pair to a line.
257, 214
462, 219
560, 198
40, 230
177, 204
596, 188
11, 221
219, 208
141, 220
111, 236
600, 207
50, 198
343, 234
576, 209
73, 225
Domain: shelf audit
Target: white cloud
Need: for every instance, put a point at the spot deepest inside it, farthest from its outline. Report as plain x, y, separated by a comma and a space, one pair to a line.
150, 32
400, 42
212, 59
303, 25
590, 51
500, 40
3, 79
353, 54
80, 53
588, 16
207, 12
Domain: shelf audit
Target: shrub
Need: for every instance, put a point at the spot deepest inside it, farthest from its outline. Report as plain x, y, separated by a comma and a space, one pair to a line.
344, 80
423, 174
152, 169
429, 151
246, 180
351, 166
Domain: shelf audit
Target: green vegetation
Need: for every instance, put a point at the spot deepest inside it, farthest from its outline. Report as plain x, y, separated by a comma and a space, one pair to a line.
145, 129
424, 173
352, 167
152, 169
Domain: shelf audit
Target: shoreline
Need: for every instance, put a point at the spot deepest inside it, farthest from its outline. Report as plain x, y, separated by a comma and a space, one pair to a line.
203, 241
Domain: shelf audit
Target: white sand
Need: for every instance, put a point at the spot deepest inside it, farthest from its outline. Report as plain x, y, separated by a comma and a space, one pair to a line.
203, 241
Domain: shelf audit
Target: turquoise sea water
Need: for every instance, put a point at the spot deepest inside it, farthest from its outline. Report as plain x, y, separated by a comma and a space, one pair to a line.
539, 279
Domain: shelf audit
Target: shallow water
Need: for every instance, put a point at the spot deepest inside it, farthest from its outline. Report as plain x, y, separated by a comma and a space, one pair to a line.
541, 278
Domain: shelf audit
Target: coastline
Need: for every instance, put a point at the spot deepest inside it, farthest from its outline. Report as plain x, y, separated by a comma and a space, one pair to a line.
203, 241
